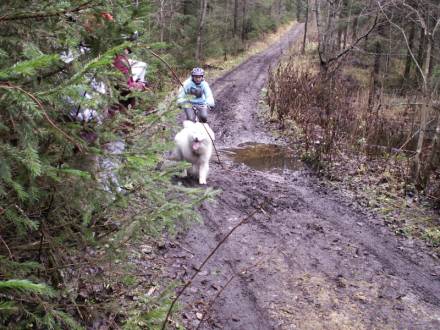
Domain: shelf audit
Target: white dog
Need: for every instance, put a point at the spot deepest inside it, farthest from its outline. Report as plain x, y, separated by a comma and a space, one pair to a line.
194, 145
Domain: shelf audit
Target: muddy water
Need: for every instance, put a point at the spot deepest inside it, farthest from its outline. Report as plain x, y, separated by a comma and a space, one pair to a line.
264, 157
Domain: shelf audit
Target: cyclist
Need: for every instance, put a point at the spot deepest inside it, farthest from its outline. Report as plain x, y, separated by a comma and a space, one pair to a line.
196, 96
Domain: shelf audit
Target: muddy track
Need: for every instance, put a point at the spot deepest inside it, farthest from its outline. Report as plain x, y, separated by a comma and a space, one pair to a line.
310, 259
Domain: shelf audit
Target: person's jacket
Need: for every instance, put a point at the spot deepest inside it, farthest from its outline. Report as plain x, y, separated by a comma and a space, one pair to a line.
196, 94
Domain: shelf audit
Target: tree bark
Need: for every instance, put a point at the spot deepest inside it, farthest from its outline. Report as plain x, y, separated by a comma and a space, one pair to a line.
280, 3
298, 10
421, 50
348, 4
354, 27
424, 115
434, 158
303, 48
162, 19
235, 18
243, 27
203, 7
373, 95
408, 62
186, 7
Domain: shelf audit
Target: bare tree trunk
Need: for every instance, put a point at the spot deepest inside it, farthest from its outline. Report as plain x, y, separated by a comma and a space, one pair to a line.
421, 50
408, 62
186, 7
243, 26
344, 36
327, 31
171, 20
298, 10
354, 27
331, 27
373, 95
424, 112
279, 9
226, 34
321, 45
434, 158
339, 39
162, 19
203, 7
344, 42
303, 48
235, 18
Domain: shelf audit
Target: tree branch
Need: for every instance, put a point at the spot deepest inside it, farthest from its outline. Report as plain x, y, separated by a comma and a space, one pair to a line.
83, 6
46, 116
406, 40
345, 51
7, 247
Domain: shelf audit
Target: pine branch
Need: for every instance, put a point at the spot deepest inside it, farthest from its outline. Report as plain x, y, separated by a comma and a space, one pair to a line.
46, 116
83, 6
26, 286
7, 247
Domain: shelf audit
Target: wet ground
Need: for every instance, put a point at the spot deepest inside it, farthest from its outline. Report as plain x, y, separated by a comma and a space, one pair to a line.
308, 258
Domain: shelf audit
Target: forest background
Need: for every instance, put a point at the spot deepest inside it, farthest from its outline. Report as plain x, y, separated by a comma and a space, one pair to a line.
72, 192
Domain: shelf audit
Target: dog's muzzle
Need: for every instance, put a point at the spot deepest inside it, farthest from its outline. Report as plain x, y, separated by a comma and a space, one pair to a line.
196, 144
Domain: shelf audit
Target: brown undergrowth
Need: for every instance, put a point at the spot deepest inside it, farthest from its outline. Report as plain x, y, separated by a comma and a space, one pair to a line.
364, 150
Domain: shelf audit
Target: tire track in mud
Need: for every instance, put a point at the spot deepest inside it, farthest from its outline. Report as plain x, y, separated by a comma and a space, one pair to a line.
322, 263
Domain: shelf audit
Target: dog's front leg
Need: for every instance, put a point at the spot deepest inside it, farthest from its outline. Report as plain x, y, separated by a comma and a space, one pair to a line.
176, 154
193, 170
203, 173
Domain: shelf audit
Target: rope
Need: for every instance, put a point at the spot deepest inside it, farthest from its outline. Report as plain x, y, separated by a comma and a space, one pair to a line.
207, 132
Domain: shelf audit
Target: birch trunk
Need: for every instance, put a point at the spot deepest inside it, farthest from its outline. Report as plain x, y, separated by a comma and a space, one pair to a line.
424, 112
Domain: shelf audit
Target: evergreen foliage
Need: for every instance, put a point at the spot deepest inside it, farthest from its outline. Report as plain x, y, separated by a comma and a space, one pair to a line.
228, 28
60, 190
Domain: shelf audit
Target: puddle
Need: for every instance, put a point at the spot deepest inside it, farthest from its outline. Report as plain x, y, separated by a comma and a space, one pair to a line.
264, 157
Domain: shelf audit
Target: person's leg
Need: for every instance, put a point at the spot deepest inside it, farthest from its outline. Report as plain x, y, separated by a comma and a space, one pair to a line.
138, 69
203, 113
190, 115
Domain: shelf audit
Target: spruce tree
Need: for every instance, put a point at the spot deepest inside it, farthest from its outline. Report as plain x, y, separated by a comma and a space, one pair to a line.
57, 198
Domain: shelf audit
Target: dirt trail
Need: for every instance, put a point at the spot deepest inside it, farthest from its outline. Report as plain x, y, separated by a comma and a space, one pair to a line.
319, 261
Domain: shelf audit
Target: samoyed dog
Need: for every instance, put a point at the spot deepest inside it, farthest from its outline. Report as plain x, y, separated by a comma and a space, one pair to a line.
194, 145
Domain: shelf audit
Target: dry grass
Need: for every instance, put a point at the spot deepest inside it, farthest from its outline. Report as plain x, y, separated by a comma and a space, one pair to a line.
361, 76
391, 124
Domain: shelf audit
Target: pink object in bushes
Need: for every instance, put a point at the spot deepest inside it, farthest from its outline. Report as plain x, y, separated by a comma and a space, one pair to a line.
122, 63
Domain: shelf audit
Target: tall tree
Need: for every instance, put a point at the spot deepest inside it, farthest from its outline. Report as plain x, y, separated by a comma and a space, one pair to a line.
426, 14
202, 15
235, 29
409, 61
306, 24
